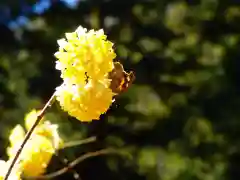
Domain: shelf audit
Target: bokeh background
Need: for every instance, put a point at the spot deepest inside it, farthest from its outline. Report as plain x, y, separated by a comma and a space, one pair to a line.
181, 118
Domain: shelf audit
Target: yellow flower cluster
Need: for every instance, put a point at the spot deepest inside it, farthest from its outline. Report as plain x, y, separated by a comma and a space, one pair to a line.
39, 149
85, 59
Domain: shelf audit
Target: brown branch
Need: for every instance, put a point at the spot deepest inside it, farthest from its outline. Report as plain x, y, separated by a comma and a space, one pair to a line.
29, 133
74, 163
71, 144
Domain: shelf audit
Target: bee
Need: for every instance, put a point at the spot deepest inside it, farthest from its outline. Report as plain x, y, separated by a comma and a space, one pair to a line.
121, 80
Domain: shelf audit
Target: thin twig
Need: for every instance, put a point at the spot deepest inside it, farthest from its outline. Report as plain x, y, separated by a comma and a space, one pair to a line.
76, 175
29, 133
74, 163
65, 162
76, 143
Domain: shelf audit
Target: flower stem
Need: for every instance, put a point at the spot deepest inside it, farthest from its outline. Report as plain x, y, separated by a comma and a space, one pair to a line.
29, 133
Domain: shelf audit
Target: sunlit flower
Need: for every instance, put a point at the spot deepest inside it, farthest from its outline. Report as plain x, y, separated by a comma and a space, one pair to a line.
39, 149
85, 60
36, 154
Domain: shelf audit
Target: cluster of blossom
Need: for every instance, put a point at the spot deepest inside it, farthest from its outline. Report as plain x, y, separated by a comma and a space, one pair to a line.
38, 151
85, 59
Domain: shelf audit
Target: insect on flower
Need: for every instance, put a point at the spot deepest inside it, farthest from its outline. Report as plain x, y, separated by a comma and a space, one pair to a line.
121, 80
90, 77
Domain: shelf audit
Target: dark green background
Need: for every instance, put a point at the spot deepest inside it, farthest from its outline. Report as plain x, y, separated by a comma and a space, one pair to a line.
181, 118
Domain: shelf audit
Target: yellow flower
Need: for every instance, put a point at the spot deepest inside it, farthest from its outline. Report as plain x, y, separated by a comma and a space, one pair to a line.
39, 149
85, 54
85, 60
36, 154
85, 103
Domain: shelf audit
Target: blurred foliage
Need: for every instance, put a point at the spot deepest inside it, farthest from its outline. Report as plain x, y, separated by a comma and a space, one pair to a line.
180, 119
